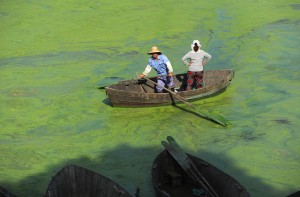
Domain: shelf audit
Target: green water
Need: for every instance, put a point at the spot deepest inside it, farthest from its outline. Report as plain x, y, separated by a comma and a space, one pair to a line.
54, 53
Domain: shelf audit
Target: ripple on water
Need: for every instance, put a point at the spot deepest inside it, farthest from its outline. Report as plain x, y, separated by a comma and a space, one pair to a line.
108, 81
250, 136
295, 6
54, 58
282, 121
93, 125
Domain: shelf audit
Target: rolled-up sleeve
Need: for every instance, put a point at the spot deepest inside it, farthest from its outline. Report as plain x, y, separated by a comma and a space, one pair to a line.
147, 70
169, 66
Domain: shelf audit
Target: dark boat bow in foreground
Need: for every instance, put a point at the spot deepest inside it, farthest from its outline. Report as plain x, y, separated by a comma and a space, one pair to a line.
5, 193
170, 180
75, 181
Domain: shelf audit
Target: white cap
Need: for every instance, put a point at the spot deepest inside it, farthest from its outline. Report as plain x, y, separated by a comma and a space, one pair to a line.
195, 42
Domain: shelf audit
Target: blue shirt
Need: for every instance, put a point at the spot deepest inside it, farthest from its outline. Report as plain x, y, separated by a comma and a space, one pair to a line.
160, 65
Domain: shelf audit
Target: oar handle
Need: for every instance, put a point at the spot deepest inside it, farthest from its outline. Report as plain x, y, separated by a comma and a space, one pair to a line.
159, 85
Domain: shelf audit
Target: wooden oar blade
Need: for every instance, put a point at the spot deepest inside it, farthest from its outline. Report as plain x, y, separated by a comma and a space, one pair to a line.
178, 158
176, 146
181, 160
108, 81
214, 119
190, 165
189, 104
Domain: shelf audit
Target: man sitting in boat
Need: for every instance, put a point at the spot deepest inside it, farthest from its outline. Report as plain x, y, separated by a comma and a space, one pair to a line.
197, 59
163, 67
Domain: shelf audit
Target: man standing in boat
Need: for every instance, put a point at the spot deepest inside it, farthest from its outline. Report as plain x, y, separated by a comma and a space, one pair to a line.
197, 59
163, 67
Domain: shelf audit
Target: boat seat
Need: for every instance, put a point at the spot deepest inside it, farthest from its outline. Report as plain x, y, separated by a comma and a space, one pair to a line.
176, 178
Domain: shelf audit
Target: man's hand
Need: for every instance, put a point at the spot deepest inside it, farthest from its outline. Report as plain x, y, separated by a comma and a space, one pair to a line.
141, 76
170, 74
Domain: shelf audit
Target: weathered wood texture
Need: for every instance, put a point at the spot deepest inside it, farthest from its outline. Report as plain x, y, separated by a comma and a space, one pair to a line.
135, 93
164, 165
75, 181
5, 193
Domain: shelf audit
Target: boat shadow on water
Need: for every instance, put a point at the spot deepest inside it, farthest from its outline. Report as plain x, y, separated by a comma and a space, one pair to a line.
130, 167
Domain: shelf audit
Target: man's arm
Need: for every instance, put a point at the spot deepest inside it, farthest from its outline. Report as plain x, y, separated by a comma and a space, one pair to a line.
146, 71
170, 68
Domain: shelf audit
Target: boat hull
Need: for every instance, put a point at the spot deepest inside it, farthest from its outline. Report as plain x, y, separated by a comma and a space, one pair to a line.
140, 93
164, 186
5, 193
75, 181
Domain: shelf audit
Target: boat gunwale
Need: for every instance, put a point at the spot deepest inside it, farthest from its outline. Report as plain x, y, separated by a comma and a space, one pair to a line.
134, 98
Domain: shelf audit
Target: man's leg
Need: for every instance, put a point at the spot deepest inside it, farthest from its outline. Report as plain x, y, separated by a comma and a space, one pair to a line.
160, 86
170, 83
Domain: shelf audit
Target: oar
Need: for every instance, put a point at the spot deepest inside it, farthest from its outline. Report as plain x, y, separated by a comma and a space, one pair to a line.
102, 84
189, 104
102, 87
184, 165
189, 163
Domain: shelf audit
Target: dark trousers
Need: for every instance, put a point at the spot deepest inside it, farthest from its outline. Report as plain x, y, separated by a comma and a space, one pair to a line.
191, 76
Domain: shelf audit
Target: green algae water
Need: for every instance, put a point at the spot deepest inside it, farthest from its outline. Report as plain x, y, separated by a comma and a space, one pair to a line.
54, 54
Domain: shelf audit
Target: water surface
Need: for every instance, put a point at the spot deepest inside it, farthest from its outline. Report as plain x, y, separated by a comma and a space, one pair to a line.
55, 54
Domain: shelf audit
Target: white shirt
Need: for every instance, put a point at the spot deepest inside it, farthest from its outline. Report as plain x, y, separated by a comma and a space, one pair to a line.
196, 59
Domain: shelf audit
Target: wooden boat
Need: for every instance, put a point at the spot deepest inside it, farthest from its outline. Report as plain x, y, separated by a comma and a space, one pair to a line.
295, 194
5, 193
135, 93
75, 181
170, 180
